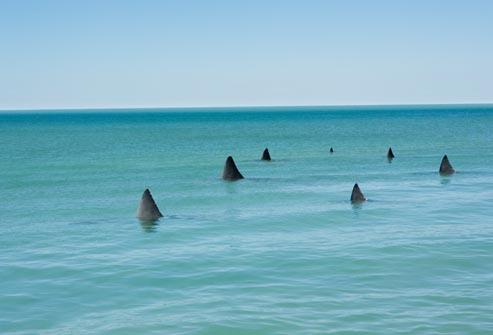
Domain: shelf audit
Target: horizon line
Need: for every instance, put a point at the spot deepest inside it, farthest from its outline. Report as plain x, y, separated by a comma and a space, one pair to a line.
55, 109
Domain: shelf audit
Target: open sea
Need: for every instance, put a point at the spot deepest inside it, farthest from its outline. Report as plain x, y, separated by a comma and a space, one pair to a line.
281, 252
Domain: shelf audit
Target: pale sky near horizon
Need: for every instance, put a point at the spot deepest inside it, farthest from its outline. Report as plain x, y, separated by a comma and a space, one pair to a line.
109, 53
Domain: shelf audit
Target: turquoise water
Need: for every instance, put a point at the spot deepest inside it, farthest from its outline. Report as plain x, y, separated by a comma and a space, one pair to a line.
280, 252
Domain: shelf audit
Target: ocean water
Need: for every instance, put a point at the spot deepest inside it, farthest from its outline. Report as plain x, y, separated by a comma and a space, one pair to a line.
280, 252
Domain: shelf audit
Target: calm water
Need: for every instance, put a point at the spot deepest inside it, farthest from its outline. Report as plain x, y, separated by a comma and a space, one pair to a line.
281, 252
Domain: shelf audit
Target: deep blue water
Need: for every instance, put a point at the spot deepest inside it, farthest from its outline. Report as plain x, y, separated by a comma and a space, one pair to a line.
281, 252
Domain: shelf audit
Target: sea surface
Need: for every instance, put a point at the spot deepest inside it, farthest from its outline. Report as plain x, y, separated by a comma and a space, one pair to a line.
281, 252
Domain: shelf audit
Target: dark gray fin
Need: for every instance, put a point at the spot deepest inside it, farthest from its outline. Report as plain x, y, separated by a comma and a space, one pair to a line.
266, 155
331, 150
357, 195
230, 171
445, 167
147, 208
390, 154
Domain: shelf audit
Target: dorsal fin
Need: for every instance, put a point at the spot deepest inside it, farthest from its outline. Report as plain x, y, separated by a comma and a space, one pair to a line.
331, 150
266, 155
357, 195
230, 171
148, 209
390, 154
445, 167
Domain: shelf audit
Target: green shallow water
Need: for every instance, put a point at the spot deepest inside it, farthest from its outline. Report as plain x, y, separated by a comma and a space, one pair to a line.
280, 252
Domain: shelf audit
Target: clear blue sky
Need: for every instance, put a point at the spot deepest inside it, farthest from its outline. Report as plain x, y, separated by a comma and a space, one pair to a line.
117, 53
